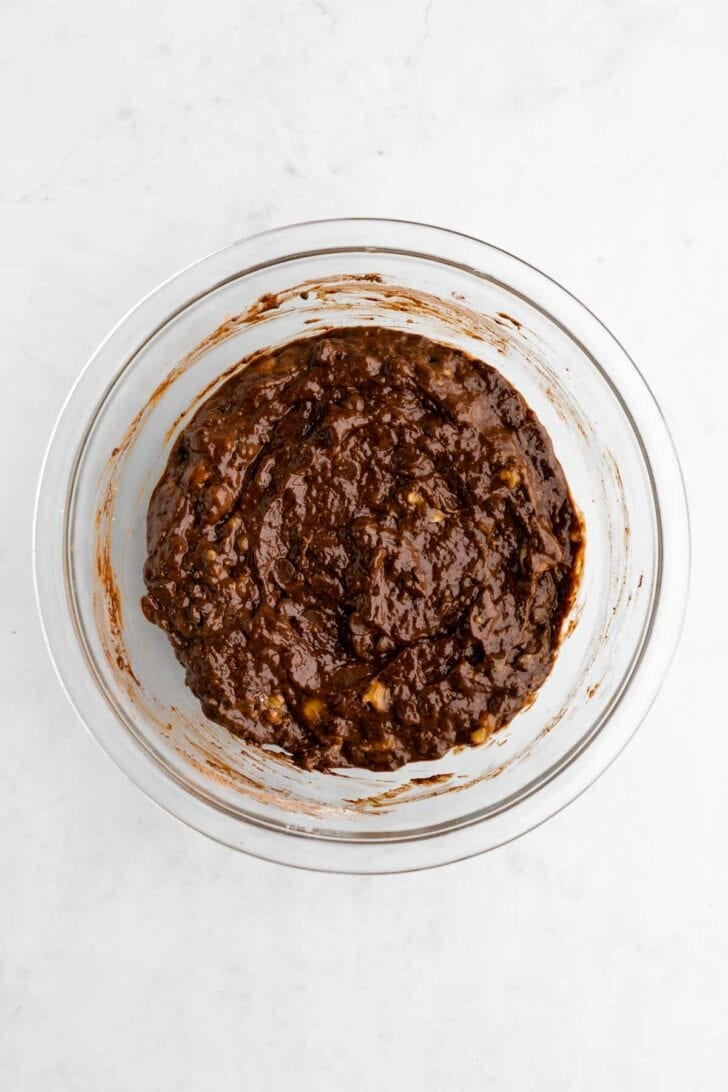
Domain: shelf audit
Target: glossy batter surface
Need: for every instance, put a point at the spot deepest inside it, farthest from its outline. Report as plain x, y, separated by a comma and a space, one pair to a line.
362, 549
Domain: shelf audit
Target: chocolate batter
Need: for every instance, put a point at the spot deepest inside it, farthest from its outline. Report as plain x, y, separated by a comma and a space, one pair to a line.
362, 549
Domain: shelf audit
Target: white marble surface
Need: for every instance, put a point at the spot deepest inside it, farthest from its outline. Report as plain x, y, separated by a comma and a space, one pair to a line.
588, 138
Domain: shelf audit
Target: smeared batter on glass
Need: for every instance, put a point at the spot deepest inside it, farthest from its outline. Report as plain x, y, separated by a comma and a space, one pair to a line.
362, 549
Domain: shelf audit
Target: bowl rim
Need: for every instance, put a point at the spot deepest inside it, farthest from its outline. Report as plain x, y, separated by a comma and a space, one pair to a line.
316, 850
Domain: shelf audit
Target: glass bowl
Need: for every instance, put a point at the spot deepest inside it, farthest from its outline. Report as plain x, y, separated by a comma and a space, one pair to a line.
111, 443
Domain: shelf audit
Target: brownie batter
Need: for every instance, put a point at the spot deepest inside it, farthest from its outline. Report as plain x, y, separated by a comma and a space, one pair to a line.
362, 549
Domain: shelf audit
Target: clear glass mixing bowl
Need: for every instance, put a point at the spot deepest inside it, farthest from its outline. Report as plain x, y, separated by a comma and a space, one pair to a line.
110, 446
